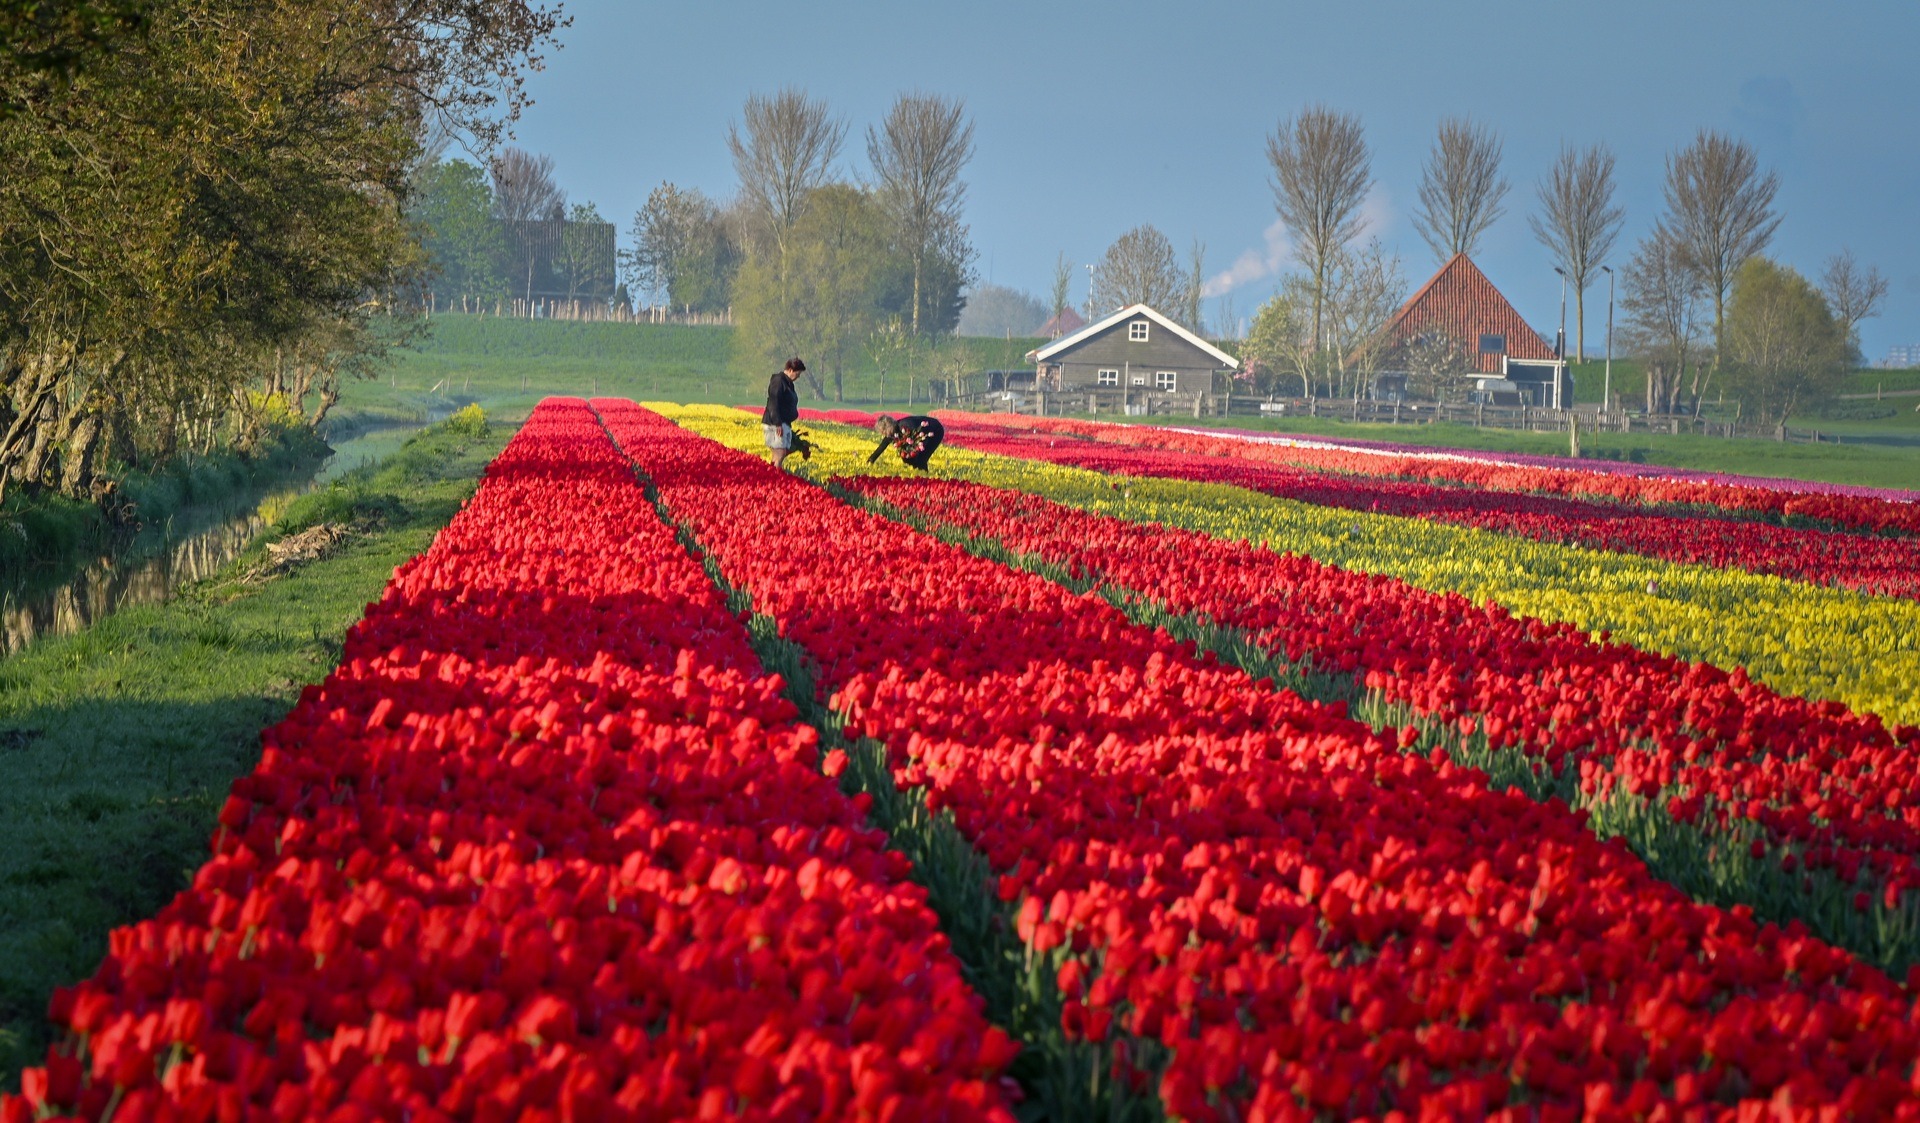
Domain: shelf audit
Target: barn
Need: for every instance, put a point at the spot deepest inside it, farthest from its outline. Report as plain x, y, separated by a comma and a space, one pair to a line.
1136, 349
1490, 350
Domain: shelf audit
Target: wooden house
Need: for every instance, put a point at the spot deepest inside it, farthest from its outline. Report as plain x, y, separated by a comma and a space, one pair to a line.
1136, 350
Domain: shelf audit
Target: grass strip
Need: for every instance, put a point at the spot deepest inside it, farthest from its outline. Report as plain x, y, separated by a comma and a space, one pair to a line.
118, 745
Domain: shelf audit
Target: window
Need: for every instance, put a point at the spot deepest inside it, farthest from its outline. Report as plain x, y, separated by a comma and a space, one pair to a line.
1164, 379
1140, 380
1108, 378
1137, 331
1493, 344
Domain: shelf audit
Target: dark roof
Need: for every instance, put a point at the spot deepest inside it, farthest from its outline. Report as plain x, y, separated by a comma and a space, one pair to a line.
1131, 312
1066, 323
1460, 301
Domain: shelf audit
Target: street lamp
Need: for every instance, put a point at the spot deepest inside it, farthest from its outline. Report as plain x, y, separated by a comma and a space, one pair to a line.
1560, 345
1606, 395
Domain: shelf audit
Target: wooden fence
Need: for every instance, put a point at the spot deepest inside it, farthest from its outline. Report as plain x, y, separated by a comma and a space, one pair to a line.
587, 311
1088, 402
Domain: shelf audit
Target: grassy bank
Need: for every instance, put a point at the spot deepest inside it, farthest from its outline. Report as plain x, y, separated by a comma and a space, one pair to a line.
118, 745
507, 366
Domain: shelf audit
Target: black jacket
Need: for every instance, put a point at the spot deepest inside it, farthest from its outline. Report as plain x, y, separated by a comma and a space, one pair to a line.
928, 429
783, 402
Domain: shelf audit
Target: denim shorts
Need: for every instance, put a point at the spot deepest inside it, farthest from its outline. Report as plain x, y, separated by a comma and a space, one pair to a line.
779, 436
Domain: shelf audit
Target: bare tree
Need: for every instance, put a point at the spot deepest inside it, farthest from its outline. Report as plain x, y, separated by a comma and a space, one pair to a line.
1365, 290
789, 148
1062, 282
1436, 362
917, 156
1195, 287
1138, 268
1720, 211
1578, 223
1660, 301
526, 200
1854, 293
1461, 188
1321, 173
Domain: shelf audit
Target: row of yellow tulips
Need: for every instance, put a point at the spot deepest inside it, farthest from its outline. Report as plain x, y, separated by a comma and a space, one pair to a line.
1798, 638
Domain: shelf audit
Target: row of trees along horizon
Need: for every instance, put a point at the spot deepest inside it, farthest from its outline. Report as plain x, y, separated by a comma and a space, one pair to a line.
1705, 311
205, 223
806, 263
801, 261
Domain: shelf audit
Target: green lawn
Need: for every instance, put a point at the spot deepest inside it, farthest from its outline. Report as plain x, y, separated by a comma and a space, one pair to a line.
117, 746
509, 365
1884, 454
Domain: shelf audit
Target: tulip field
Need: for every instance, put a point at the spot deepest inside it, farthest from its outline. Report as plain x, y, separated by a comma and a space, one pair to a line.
1100, 773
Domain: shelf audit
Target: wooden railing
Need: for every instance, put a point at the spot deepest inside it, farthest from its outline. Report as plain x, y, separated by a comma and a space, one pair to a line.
1093, 402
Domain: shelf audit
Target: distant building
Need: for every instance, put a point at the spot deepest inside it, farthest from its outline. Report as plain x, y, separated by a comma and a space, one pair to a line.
1136, 349
1066, 323
1902, 358
1498, 355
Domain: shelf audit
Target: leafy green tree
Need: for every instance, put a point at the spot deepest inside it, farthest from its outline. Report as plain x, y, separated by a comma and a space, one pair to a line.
682, 250
224, 203
1279, 346
1785, 350
842, 281
460, 234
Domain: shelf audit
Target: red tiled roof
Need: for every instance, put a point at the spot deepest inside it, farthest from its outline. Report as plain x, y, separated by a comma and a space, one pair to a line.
1066, 323
1461, 302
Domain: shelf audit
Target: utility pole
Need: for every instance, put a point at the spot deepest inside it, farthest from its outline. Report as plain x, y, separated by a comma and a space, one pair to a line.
1089, 292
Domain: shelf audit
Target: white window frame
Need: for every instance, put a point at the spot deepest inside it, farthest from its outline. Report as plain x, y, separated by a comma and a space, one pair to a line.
1140, 379
1165, 379
1138, 330
1107, 378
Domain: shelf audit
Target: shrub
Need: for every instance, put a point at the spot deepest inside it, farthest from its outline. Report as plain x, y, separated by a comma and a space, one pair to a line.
469, 422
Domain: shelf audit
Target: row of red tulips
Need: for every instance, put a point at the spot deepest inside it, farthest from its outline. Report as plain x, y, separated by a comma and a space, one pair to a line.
547, 845
1825, 790
1312, 920
1859, 512
1878, 564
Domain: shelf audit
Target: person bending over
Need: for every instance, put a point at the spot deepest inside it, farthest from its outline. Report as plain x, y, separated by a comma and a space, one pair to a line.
783, 409
915, 437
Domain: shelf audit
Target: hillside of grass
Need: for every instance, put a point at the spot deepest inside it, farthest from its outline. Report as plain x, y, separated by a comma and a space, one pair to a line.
508, 365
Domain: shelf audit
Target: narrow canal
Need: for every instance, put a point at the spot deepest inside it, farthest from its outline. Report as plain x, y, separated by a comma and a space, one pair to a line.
150, 565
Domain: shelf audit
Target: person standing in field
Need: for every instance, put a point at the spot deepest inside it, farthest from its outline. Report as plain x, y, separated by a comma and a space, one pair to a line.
916, 438
783, 409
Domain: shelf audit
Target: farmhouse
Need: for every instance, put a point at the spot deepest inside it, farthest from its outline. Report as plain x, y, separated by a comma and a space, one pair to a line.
1459, 330
1136, 350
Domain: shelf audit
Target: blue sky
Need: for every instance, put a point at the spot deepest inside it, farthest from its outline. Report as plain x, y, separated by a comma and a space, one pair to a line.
1091, 119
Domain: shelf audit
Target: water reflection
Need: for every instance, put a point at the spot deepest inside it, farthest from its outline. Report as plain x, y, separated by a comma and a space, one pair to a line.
109, 583
151, 566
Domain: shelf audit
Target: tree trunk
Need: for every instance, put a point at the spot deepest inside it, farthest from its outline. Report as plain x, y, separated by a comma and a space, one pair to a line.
329, 394
83, 444
1580, 325
917, 268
